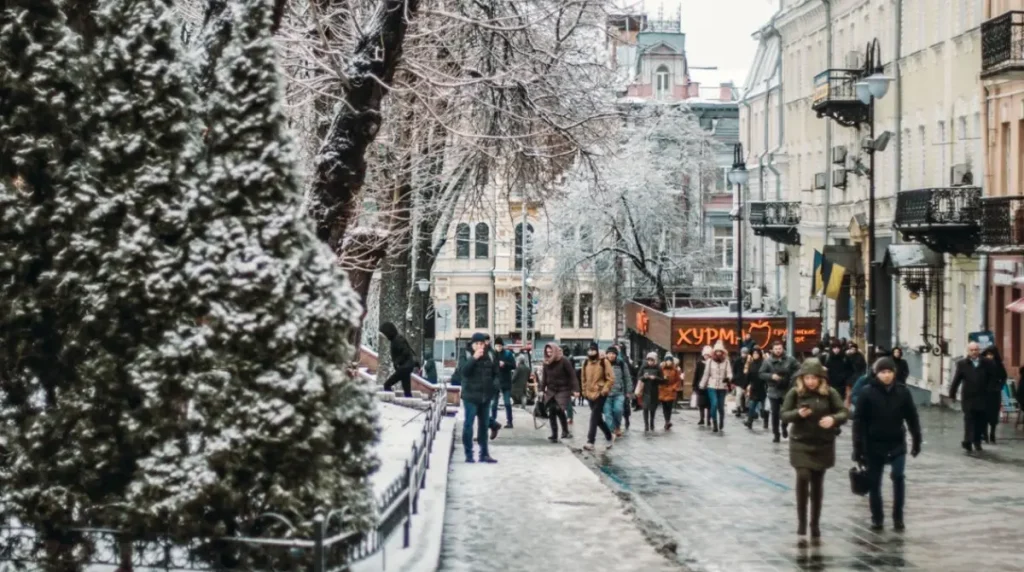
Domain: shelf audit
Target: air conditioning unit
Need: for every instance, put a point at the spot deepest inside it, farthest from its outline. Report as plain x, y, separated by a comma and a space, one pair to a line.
734, 306
782, 258
839, 155
961, 175
756, 299
854, 60
820, 181
839, 178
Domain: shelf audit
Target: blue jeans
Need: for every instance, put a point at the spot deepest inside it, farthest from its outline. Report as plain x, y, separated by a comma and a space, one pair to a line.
717, 399
876, 467
474, 412
753, 410
505, 394
613, 409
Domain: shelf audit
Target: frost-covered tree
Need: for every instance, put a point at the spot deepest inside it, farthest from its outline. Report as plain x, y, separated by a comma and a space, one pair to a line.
279, 423
631, 222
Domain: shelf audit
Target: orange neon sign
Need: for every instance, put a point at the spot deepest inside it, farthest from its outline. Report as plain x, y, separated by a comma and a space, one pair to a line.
761, 331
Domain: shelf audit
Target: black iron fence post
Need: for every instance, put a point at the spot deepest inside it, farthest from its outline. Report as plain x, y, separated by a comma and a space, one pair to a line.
319, 532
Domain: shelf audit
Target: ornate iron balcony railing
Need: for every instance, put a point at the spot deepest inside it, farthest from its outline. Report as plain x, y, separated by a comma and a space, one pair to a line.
946, 219
1002, 44
776, 220
1002, 224
835, 96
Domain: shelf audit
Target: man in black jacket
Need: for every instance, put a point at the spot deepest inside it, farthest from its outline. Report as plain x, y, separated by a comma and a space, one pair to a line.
506, 363
880, 439
777, 371
402, 358
477, 373
975, 374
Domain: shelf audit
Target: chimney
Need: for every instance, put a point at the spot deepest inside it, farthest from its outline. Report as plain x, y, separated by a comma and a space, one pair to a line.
725, 91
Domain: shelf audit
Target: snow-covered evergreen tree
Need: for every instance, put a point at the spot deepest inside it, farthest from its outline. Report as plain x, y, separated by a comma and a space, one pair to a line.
281, 425
40, 167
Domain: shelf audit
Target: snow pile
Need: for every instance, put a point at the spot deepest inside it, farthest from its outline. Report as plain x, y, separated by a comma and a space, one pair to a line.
400, 428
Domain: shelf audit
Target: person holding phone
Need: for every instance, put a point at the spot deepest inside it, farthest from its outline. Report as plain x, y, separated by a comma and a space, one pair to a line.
815, 411
477, 373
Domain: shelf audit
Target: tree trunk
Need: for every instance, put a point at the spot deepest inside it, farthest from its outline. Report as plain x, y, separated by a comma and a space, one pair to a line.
394, 302
341, 166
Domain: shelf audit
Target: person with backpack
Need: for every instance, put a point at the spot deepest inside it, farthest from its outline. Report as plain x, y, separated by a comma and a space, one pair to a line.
615, 406
402, 358
596, 382
506, 363
777, 372
884, 407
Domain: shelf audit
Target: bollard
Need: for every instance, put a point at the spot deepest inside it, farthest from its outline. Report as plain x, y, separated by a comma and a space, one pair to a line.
319, 532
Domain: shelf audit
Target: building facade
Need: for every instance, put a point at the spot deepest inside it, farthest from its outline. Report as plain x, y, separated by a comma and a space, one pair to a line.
805, 130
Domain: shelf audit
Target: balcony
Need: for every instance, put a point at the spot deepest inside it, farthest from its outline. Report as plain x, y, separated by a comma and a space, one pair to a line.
945, 219
1002, 225
777, 221
1002, 46
835, 96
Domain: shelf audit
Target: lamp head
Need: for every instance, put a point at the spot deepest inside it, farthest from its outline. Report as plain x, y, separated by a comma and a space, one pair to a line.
739, 175
878, 84
423, 284
863, 92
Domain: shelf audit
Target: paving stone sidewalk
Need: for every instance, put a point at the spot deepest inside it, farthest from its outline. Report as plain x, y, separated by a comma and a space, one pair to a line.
540, 508
728, 499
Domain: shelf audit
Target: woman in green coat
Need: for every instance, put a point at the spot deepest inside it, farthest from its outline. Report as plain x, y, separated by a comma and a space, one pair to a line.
815, 412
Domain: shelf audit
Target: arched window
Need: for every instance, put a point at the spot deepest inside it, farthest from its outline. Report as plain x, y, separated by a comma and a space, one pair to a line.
483, 240
519, 246
462, 240
662, 83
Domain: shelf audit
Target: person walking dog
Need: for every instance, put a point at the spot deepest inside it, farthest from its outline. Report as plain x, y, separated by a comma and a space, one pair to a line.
815, 411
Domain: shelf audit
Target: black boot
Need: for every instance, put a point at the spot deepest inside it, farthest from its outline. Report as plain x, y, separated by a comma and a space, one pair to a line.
817, 497
802, 493
714, 425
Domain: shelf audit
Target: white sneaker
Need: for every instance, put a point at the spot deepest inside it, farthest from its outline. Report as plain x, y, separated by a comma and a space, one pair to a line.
610, 443
588, 447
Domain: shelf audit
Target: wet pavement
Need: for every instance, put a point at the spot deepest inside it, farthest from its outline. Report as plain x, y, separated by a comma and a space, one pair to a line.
728, 499
538, 509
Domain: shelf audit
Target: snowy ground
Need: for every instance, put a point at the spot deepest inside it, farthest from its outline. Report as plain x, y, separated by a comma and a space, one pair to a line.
539, 508
400, 428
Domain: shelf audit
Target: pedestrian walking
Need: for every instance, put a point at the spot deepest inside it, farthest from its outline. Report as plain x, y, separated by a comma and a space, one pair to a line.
858, 364
506, 363
596, 381
740, 381
975, 373
558, 384
717, 375
902, 367
668, 391
816, 412
429, 367
402, 359
570, 407
650, 379
629, 398
703, 403
777, 372
757, 390
884, 407
622, 386
839, 368
520, 379
477, 375
993, 392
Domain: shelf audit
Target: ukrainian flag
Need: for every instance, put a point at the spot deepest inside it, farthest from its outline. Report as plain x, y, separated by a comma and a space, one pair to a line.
834, 280
819, 282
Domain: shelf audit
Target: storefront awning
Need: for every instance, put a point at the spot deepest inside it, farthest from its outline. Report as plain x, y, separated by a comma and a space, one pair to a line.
1016, 306
906, 256
846, 256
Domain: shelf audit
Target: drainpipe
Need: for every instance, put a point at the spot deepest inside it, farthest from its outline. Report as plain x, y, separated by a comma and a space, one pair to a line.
828, 161
983, 263
898, 171
778, 147
745, 102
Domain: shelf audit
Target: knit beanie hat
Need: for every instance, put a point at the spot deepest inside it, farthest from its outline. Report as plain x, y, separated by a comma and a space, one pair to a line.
593, 346
884, 364
498, 342
652, 356
612, 350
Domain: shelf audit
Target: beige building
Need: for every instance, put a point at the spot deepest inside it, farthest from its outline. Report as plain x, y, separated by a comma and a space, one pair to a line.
803, 128
480, 272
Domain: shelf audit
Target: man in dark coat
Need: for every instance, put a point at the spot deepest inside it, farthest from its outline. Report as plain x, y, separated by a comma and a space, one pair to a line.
402, 358
477, 374
976, 375
630, 398
902, 367
839, 369
740, 380
879, 437
506, 367
858, 364
777, 372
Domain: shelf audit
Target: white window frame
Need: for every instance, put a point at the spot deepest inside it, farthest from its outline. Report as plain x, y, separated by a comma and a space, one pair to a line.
662, 82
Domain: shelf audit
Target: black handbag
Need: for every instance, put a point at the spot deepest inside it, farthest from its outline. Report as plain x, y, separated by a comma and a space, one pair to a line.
860, 482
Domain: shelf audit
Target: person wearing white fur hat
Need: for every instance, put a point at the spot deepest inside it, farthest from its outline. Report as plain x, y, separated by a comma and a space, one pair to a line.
649, 378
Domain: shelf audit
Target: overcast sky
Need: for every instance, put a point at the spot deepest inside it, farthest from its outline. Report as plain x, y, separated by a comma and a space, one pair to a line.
718, 33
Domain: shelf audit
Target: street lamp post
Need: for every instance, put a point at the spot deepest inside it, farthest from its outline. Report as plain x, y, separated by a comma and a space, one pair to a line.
423, 285
872, 87
739, 177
